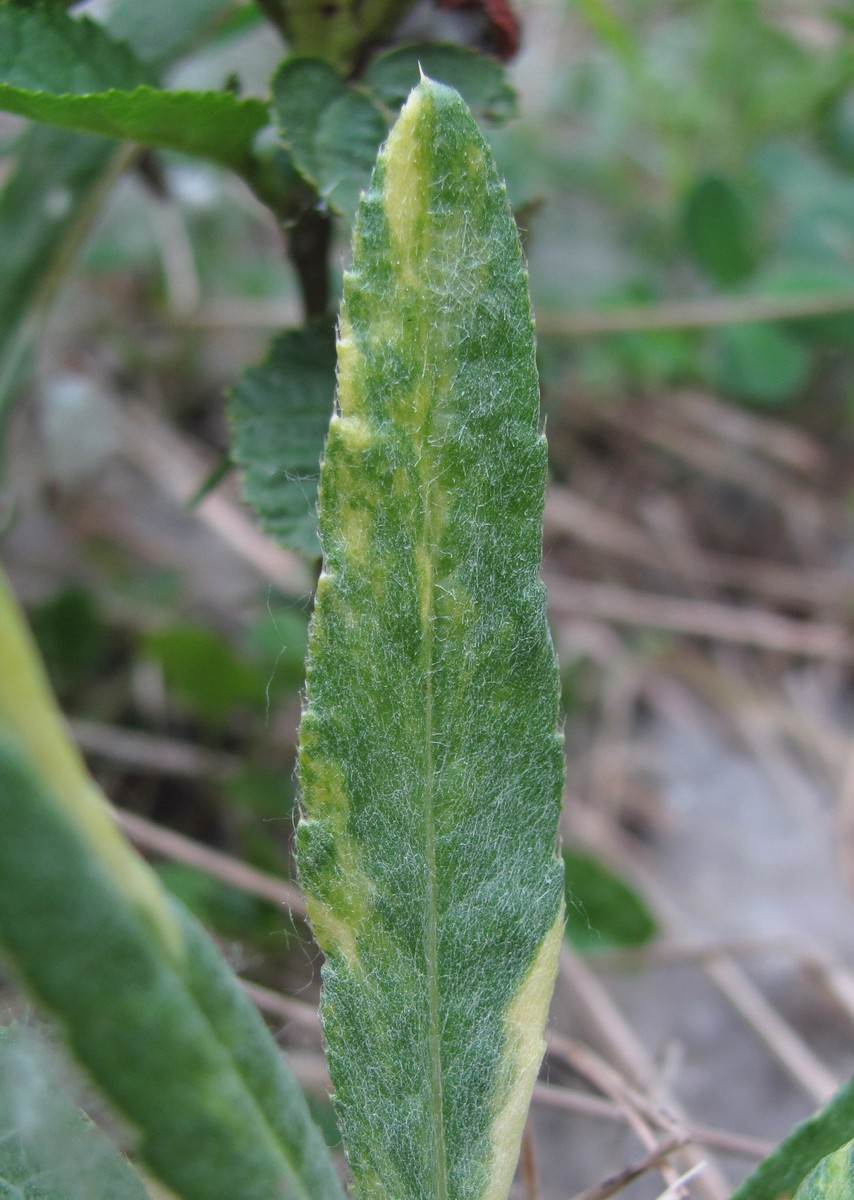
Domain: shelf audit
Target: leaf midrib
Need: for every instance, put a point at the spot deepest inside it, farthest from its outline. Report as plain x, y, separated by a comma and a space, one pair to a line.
431, 948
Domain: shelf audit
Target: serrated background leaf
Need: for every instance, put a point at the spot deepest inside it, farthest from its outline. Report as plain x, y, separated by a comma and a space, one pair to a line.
279, 413
481, 81
430, 761
45, 50
48, 1150
333, 130
71, 73
69, 175
212, 125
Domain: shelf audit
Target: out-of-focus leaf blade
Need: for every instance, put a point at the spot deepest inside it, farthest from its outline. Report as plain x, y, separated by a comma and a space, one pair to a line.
720, 230
759, 362
481, 81
45, 50
430, 761
279, 413
602, 909
160, 31
832, 1178
46, 209
143, 997
780, 1175
48, 1150
333, 130
59, 182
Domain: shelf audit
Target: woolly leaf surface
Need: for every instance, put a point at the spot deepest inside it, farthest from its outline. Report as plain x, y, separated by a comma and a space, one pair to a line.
430, 762
279, 413
143, 997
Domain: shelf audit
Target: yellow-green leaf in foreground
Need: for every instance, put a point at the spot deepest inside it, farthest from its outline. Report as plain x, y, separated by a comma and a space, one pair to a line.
142, 996
430, 761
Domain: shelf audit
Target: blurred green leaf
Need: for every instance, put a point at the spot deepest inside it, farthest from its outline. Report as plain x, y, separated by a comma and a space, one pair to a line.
832, 1178
46, 50
46, 208
720, 230
48, 1149
332, 129
601, 908
839, 129
225, 909
279, 640
60, 180
481, 81
262, 791
205, 673
790, 1164
279, 414
161, 31
72, 636
70, 72
616, 33
759, 362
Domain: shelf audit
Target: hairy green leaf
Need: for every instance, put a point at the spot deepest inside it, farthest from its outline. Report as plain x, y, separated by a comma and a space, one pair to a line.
144, 999
782, 1172
48, 1150
602, 908
480, 80
832, 1179
430, 761
331, 128
279, 413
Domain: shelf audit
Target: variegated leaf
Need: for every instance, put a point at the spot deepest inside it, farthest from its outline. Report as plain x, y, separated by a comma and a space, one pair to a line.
430, 761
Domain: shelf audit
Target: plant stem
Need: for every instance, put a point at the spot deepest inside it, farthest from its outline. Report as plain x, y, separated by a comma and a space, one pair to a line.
309, 241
